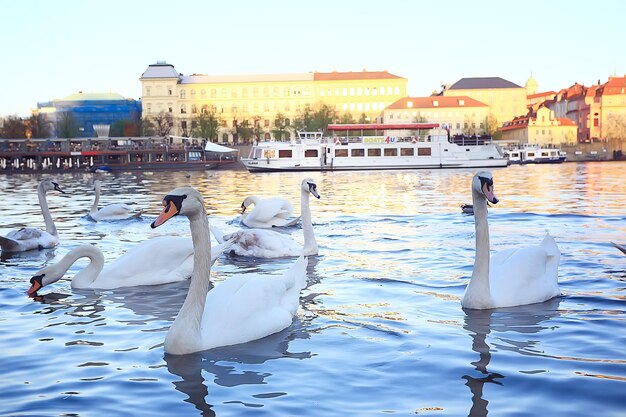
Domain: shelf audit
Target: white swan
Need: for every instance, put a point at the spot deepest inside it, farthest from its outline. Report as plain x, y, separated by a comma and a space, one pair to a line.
155, 261
267, 213
115, 211
239, 309
29, 238
512, 277
263, 243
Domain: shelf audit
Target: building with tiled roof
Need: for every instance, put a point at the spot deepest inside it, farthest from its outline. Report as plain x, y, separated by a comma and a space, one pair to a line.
505, 99
259, 98
541, 127
463, 115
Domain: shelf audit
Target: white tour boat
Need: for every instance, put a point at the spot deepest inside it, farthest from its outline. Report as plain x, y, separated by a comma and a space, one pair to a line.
394, 148
534, 154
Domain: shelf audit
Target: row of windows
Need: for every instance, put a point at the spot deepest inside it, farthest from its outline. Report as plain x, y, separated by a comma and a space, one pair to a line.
428, 114
244, 92
265, 107
360, 152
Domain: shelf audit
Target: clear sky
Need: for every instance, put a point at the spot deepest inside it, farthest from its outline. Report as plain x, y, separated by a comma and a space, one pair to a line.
51, 49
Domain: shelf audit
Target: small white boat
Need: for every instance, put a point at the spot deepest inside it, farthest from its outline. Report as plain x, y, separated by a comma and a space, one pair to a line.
399, 146
534, 154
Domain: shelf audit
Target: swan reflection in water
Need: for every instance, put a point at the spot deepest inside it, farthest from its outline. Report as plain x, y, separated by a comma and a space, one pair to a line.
226, 363
525, 319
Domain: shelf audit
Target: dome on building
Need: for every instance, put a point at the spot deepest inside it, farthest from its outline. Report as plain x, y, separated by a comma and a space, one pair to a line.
80, 96
531, 86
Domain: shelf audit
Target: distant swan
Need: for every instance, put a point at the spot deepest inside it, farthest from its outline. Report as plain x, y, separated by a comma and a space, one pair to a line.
237, 310
29, 238
115, 211
512, 277
155, 261
262, 243
267, 213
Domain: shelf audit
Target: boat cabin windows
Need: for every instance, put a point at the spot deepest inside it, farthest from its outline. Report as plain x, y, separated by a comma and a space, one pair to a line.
407, 151
391, 152
285, 153
341, 153
310, 153
374, 152
530, 154
358, 152
424, 151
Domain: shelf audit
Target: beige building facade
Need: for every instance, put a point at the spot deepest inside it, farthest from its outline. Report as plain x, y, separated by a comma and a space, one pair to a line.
463, 115
541, 128
505, 99
260, 98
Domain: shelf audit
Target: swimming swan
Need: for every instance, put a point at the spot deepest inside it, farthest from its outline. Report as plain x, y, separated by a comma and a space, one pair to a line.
267, 213
115, 211
29, 238
237, 310
263, 243
155, 261
512, 277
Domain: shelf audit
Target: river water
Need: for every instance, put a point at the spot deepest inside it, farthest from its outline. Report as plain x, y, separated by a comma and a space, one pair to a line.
380, 330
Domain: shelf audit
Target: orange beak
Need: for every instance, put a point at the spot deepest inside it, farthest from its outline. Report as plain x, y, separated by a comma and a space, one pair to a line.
169, 211
35, 285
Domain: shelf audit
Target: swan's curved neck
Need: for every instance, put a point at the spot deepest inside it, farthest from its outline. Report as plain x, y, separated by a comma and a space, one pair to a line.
184, 335
94, 207
310, 244
47, 217
86, 276
478, 289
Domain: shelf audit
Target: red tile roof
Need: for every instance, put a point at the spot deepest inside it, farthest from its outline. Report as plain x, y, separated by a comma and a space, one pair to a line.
564, 121
615, 85
429, 102
344, 76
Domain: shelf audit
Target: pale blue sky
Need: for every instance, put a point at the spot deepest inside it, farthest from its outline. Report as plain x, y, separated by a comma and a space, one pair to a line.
51, 49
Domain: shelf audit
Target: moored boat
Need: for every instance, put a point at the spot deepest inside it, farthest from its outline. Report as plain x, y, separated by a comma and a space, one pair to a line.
107, 154
534, 154
391, 146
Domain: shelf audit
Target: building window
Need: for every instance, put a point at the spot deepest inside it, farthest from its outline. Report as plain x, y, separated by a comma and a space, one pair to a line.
203, 93
233, 93
148, 91
183, 109
169, 91
266, 123
183, 124
194, 109
182, 93
213, 92
193, 94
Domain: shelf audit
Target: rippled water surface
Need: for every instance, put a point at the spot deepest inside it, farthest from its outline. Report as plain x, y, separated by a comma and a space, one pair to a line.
380, 330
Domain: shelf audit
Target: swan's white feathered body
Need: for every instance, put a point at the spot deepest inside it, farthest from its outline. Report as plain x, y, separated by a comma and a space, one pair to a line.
155, 261
237, 310
512, 277
29, 238
262, 243
267, 213
115, 211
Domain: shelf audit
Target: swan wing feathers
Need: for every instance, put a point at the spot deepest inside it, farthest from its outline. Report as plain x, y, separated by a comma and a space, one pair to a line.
155, 261
119, 211
249, 307
28, 238
261, 243
525, 275
266, 210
